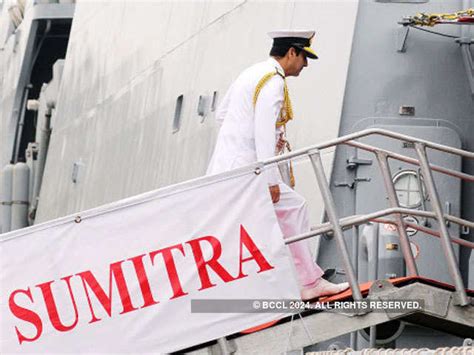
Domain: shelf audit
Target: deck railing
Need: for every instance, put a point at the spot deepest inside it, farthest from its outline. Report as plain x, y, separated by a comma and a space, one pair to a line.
336, 225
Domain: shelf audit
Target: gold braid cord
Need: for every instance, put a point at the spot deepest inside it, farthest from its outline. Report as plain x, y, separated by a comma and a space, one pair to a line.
424, 19
286, 113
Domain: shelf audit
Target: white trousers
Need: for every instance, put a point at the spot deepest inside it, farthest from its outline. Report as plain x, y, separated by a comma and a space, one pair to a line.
292, 214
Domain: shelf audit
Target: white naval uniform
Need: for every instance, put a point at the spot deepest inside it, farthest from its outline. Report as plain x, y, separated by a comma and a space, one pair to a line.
249, 134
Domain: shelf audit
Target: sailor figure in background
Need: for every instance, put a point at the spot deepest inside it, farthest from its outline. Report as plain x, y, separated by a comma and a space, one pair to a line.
253, 114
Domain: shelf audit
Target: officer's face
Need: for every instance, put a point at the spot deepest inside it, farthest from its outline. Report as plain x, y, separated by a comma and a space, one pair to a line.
296, 62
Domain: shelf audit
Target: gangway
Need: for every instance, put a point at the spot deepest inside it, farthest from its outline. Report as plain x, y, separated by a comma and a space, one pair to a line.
296, 332
448, 308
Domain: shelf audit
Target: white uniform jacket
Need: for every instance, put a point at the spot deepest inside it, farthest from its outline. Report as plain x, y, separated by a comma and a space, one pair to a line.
249, 134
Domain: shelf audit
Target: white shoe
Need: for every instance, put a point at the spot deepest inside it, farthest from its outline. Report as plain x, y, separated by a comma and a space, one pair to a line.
323, 288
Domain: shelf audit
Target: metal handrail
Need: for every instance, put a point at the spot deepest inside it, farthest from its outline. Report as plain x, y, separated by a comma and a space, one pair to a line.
336, 224
365, 133
409, 160
348, 222
428, 231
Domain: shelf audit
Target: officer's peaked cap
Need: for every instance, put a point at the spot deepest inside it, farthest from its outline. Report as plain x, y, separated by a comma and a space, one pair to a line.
294, 38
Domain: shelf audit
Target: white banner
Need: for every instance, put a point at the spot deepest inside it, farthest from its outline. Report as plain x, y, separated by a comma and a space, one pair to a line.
121, 278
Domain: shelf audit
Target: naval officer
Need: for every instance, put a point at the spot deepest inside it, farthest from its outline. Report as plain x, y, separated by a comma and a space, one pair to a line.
253, 116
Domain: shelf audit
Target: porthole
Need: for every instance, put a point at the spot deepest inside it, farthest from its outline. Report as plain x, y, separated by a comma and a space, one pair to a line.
407, 186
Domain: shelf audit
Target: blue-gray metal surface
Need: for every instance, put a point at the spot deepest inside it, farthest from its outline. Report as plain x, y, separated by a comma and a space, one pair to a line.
430, 76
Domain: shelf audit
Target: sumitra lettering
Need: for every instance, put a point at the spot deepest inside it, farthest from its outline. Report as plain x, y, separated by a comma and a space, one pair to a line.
92, 288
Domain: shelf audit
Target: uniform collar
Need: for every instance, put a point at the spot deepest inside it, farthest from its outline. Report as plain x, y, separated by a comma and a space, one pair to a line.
277, 66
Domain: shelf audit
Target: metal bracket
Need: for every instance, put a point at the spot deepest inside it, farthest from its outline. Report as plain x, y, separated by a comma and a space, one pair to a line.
203, 107
362, 179
448, 211
330, 274
17, 35
76, 171
468, 342
224, 347
17, 202
352, 184
380, 286
354, 162
344, 184
458, 299
402, 36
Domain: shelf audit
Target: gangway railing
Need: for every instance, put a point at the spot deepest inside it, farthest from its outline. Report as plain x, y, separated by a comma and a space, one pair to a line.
336, 225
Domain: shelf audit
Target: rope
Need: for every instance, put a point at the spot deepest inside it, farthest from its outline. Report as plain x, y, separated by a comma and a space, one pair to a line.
433, 32
467, 350
425, 19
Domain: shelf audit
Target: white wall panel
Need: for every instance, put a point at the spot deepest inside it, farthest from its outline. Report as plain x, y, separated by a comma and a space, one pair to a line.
14, 47
128, 62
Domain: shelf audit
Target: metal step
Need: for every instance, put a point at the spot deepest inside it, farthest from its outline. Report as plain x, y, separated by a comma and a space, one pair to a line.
438, 312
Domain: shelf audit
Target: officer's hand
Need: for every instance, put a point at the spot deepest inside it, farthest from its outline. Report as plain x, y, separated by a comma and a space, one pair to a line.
275, 192
281, 143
